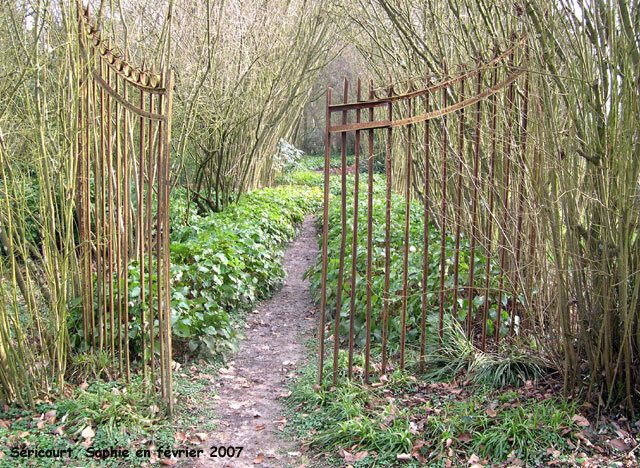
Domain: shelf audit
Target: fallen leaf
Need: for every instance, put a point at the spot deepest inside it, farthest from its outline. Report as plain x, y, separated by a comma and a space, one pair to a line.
580, 420
284, 395
40, 424
259, 427
5, 424
259, 459
88, 433
87, 443
83, 386
361, 455
23, 434
168, 462
202, 435
473, 459
619, 444
348, 456
59, 430
492, 413
403, 457
293, 454
465, 437
180, 436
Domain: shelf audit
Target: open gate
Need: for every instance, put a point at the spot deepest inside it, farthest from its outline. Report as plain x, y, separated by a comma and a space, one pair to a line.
469, 172
123, 206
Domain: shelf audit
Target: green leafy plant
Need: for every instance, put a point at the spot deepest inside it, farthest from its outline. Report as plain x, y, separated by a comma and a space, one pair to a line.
415, 267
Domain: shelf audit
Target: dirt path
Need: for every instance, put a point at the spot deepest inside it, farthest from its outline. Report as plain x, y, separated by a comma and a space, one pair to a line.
252, 386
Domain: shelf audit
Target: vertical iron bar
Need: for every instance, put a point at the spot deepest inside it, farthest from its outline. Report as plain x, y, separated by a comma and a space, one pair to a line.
405, 258
103, 216
387, 237
167, 82
505, 211
456, 255
110, 224
354, 244
88, 160
118, 236
343, 239
443, 230
367, 352
83, 192
160, 230
490, 215
325, 236
149, 237
126, 222
425, 242
474, 210
140, 236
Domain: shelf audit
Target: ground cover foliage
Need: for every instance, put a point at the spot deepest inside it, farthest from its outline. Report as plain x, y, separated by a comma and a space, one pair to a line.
222, 264
418, 421
414, 306
94, 417
503, 407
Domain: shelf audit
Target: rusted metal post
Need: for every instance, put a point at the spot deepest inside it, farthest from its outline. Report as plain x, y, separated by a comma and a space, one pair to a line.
387, 236
490, 215
443, 223
110, 225
343, 235
325, 237
118, 225
354, 244
505, 211
425, 242
167, 81
367, 351
140, 234
149, 236
405, 259
126, 222
474, 210
160, 231
456, 254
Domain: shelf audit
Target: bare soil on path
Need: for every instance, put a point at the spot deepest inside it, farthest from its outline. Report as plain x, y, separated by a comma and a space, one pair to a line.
251, 388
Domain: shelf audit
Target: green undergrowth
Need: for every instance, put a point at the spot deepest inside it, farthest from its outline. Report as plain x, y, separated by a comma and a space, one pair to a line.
433, 423
119, 416
303, 177
316, 162
415, 267
222, 263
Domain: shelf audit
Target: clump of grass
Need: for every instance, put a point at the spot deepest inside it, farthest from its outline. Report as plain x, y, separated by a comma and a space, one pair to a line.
450, 355
454, 353
502, 370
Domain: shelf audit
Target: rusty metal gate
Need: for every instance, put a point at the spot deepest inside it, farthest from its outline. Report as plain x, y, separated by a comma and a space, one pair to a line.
123, 206
469, 172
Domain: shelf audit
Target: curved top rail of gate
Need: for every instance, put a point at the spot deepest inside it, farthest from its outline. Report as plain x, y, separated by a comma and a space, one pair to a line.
95, 46
389, 100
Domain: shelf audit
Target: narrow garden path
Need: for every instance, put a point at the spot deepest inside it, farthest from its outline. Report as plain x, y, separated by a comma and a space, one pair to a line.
252, 387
